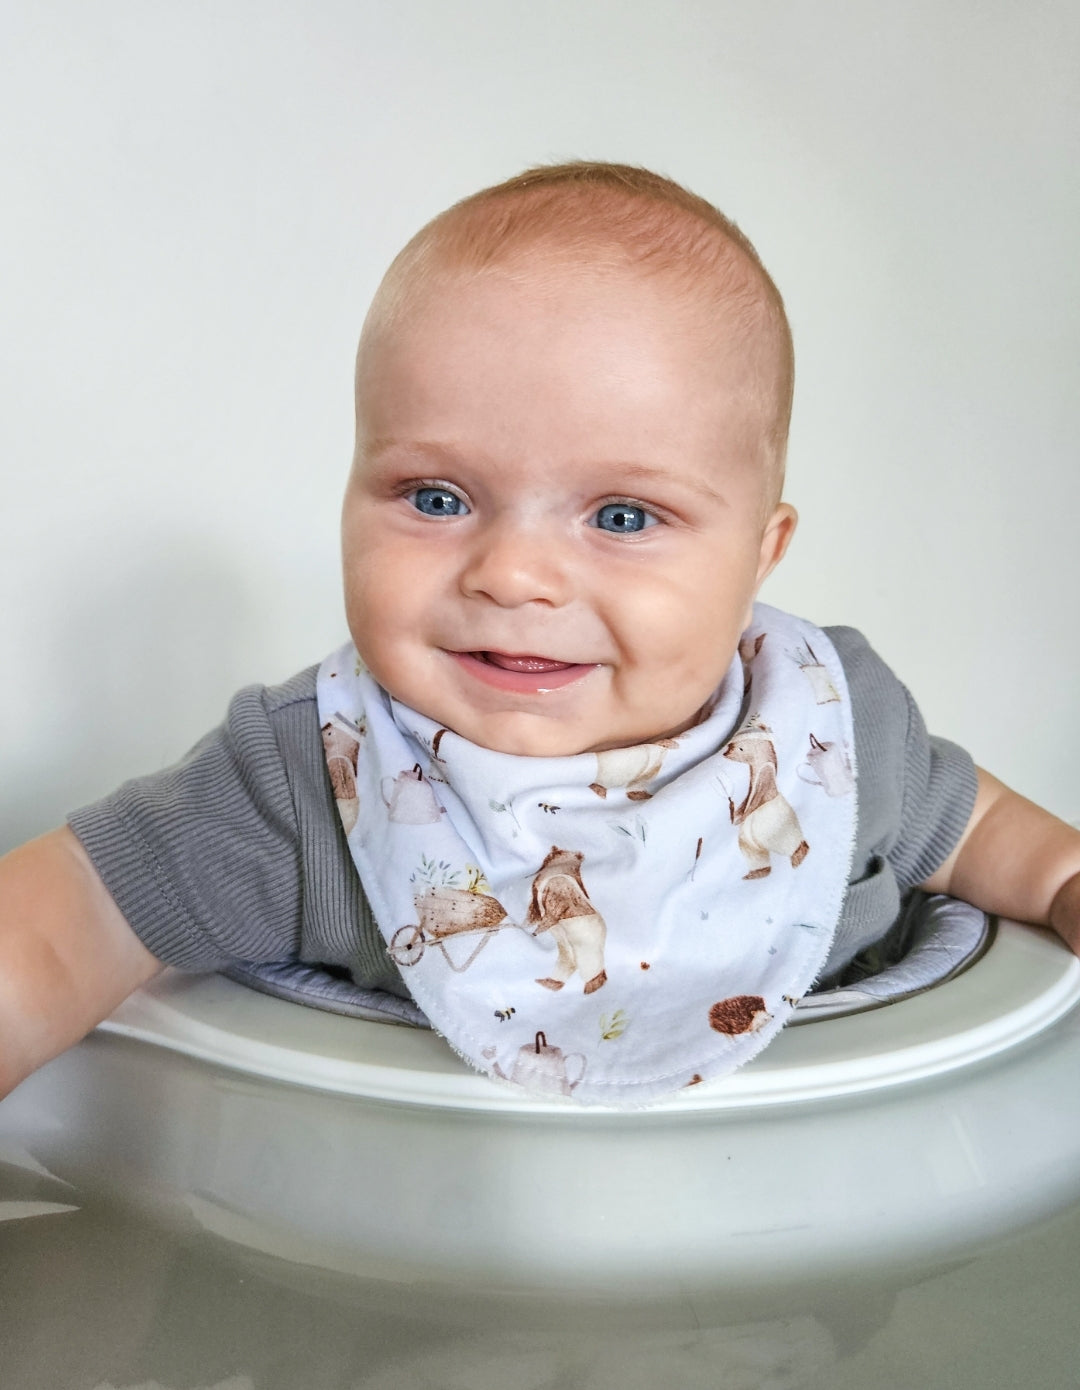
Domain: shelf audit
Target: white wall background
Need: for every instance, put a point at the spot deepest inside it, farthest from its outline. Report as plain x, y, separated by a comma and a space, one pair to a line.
198, 200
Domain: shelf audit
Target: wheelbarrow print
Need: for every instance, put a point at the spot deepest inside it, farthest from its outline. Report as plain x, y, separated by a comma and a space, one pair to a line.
447, 914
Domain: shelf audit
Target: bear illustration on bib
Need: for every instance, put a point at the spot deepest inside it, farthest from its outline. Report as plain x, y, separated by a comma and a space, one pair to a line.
767, 823
560, 905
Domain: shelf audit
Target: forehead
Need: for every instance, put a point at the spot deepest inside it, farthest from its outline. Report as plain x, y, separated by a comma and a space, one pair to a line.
603, 381
535, 325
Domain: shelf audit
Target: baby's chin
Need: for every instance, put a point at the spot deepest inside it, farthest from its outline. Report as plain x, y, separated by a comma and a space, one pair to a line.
521, 735
536, 736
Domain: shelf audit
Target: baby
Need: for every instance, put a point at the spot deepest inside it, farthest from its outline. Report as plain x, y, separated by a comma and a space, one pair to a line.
569, 787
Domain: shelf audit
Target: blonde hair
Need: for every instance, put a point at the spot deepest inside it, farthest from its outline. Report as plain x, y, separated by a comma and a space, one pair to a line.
609, 216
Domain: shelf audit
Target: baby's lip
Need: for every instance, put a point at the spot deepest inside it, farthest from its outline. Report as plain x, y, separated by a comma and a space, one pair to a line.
521, 673
529, 663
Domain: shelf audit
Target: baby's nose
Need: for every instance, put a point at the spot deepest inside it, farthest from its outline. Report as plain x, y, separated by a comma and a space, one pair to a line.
516, 565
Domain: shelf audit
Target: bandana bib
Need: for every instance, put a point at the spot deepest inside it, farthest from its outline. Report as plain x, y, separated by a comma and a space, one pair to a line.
610, 926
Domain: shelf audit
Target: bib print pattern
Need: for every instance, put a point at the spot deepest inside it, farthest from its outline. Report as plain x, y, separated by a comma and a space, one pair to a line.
612, 926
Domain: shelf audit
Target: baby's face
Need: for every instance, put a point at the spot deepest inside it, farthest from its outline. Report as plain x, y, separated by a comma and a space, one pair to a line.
555, 527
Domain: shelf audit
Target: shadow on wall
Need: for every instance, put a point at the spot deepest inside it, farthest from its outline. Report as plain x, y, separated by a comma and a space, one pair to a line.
137, 669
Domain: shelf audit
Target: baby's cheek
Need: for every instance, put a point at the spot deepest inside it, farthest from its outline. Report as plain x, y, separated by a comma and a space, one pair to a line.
698, 659
670, 679
373, 618
376, 583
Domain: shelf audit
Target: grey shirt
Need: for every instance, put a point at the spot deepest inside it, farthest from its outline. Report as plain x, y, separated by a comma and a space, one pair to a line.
237, 853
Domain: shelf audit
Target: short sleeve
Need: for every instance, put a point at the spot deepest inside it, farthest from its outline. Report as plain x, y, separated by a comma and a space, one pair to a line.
940, 782
203, 859
915, 796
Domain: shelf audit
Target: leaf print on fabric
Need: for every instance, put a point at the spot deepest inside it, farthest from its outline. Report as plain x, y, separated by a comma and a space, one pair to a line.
639, 832
613, 1025
438, 875
505, 808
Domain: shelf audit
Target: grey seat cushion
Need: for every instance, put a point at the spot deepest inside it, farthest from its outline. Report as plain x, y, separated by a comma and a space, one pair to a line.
933, 939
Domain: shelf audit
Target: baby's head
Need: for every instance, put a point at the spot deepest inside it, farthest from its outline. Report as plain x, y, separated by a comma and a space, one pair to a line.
572, 401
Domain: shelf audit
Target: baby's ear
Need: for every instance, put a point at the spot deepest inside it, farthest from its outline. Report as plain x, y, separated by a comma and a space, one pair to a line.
775, 539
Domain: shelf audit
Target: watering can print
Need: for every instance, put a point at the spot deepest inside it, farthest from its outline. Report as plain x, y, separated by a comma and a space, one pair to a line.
539, 1067
827, 766
410, 799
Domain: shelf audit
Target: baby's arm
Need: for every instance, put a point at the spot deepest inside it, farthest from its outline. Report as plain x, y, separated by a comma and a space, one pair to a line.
1016, 859
67, 955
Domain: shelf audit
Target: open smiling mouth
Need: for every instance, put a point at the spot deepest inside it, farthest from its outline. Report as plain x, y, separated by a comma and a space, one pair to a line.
523, 672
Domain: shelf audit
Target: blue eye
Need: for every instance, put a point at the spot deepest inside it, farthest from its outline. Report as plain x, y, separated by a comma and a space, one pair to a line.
623, 519
437, 501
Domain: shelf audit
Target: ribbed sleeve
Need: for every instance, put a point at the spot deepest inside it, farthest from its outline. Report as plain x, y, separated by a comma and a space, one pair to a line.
915, 796
204, 858
237, 853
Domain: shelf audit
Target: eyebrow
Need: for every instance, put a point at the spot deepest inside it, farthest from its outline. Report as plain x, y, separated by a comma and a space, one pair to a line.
385, 444
648, 474
624, 468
